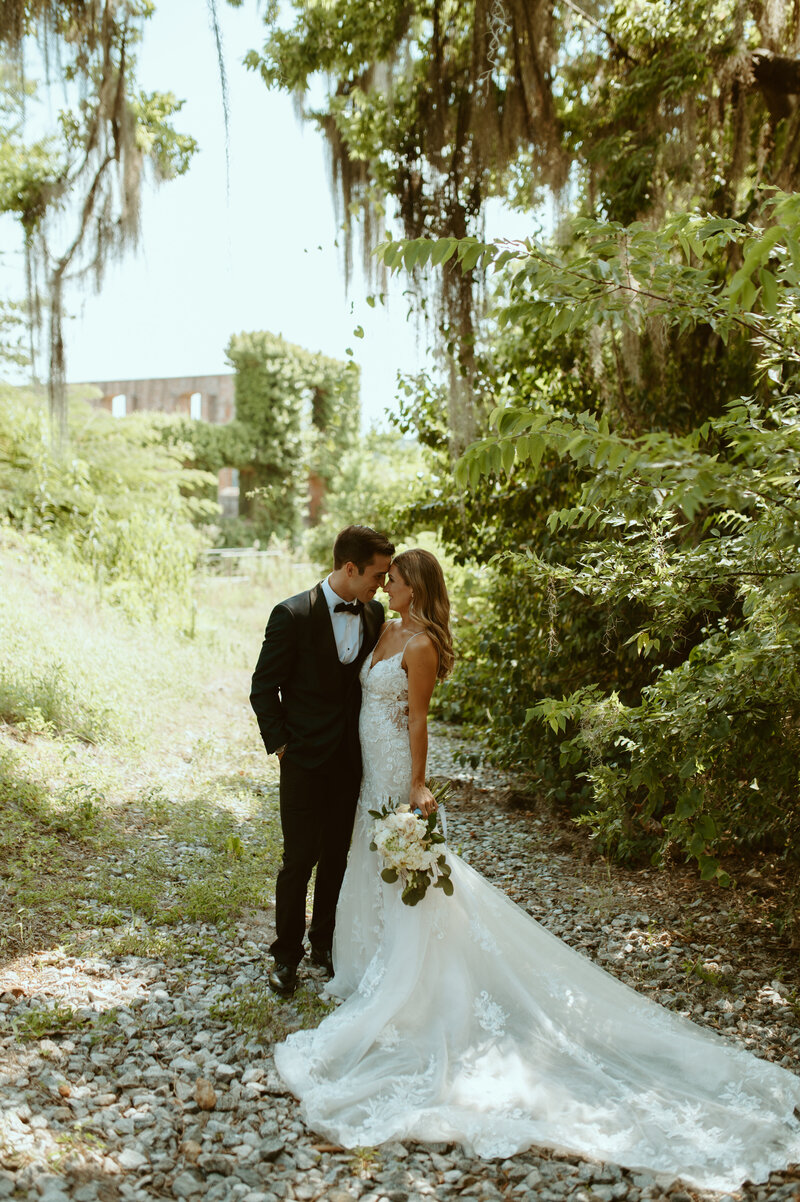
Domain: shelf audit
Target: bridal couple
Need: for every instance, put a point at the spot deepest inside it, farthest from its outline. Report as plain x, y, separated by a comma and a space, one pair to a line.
462, 1018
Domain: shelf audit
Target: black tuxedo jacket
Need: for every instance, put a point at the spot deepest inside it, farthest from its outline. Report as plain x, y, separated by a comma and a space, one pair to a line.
298, 691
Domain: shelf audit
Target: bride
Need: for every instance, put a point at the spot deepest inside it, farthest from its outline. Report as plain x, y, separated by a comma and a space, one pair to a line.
465, 1020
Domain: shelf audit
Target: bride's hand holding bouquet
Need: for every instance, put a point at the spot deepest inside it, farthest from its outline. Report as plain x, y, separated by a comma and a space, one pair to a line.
411, 848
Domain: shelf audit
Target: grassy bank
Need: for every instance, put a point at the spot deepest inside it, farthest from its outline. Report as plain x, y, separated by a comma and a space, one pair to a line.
120, 741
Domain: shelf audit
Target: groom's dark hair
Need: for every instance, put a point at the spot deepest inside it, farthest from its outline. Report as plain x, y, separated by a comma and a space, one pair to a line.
359, 545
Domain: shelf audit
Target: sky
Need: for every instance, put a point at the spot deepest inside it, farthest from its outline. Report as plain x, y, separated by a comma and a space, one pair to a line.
259, 254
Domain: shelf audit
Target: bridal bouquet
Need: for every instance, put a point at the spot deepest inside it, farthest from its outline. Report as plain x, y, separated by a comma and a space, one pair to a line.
409, 846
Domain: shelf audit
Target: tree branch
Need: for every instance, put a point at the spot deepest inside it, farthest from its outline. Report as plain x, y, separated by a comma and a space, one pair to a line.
777, 72
612, 41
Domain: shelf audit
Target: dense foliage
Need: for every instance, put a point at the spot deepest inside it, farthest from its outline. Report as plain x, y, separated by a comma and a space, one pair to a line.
683, 546
630, 110
380, 474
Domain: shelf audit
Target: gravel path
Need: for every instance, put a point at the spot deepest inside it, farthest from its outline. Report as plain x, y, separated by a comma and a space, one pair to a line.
137, 1078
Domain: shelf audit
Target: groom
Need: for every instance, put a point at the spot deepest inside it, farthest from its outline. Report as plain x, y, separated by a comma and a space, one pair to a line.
307, 696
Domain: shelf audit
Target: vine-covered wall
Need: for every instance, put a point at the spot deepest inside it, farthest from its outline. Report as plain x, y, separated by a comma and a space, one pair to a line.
297, 413
300, 411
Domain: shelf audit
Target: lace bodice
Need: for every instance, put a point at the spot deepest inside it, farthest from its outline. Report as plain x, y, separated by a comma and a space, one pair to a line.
383, 731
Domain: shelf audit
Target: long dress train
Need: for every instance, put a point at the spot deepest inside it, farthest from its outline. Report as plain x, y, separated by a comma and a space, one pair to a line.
465, 1020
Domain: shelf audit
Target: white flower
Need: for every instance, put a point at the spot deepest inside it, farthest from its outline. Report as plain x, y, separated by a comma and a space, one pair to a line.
406, 847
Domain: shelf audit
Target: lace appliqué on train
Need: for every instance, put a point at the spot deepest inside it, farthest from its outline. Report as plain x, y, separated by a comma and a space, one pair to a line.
491, 1017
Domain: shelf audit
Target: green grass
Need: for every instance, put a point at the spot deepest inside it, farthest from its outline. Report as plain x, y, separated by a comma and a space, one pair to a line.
228, 870
148, 944
41, 1022
255, 1009
118, 740
708, 976
46, 835
73, 667
46, 701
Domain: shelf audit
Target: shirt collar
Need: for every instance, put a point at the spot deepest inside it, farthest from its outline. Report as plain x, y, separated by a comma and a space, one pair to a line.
331, 596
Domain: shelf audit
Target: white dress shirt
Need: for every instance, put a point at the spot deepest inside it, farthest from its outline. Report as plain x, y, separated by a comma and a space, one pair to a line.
346, 627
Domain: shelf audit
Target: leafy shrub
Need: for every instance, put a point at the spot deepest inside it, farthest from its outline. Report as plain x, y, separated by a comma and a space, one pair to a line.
698, 532
298, 411
117, 500
46, 701
661, 550
377, 479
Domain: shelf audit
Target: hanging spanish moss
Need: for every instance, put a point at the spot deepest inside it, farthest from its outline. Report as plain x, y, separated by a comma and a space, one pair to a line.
83, 211
429, 105
439, 105
87, 212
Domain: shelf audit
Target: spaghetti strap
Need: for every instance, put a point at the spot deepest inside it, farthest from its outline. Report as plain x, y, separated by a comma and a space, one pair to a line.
410, 639
373, 661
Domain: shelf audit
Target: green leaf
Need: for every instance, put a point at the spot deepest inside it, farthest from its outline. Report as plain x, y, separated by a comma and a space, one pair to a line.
697, 844
687, 805
769, 291
709, 867
411, 252
562, 321
469, 257
508, 453
443, 250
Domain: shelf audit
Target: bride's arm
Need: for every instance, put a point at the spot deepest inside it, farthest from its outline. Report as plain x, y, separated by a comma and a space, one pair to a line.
422, 663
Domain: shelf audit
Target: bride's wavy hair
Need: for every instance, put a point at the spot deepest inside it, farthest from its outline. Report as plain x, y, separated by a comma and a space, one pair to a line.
430, 606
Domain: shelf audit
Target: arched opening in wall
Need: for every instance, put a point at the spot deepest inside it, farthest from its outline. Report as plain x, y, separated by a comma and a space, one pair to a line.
316, 497
196, 406
228, 492
119, 405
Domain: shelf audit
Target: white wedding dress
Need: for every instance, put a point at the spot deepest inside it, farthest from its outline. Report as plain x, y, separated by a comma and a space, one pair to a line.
465, 1020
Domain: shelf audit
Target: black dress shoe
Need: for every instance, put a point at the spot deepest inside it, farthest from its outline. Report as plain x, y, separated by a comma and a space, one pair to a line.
323, 959
283, 979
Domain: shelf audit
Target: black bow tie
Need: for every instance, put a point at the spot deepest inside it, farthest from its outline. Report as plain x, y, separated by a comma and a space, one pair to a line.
344, 607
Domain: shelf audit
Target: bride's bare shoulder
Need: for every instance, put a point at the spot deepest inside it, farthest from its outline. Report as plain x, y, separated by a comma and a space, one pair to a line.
421, 651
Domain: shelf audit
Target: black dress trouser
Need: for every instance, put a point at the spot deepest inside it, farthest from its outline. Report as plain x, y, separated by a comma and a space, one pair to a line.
317, 806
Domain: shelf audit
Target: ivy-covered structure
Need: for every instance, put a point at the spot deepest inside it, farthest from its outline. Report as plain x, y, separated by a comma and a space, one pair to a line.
297, 412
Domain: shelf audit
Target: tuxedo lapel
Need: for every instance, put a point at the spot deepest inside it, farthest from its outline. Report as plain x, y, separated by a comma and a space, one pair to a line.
324, 641
371, 623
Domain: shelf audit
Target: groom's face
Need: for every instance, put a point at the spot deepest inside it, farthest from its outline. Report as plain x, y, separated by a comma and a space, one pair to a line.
364, 585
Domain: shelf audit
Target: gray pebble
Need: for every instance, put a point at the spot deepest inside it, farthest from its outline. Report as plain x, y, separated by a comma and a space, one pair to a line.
186, 1185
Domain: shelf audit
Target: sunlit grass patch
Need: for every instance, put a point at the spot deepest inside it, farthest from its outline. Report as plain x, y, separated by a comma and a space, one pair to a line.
148, 944
47, 838
45, 701
34, 817
133, 783
254, 1008
223, 870
40, 1022
77, 667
